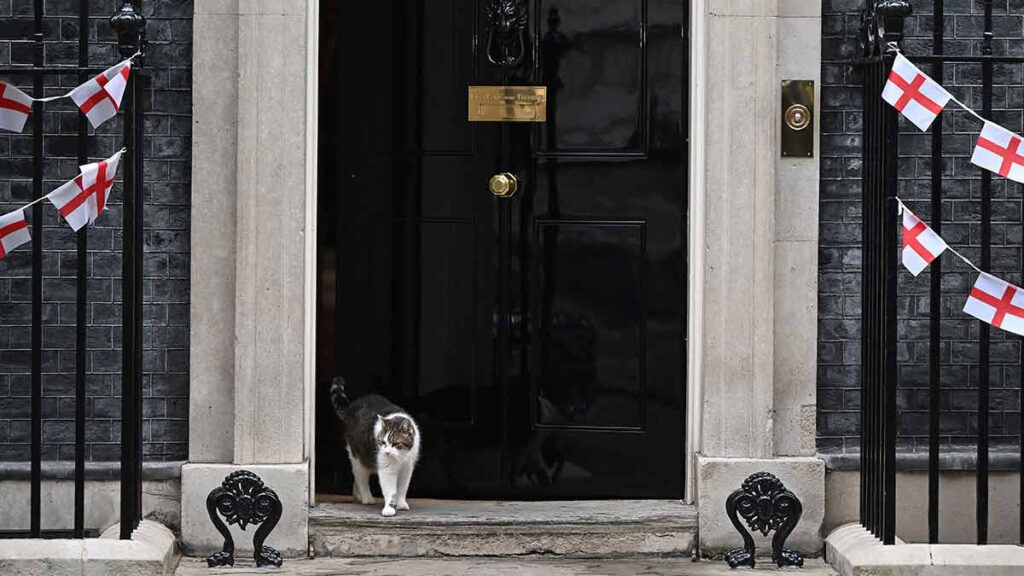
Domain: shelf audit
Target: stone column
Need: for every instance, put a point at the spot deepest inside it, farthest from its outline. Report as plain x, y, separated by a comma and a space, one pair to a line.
248, 396
760, 251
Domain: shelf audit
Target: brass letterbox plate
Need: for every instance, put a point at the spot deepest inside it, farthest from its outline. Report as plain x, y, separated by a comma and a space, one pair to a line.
508, 103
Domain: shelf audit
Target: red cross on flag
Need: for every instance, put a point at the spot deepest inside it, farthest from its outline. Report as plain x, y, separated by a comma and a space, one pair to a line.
1000, 151
997, 303
83, 199
13, 231
14, 108
914, 94
100, 98
921, 245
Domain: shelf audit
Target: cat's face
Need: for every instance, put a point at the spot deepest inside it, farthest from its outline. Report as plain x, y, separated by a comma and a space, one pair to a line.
396, 436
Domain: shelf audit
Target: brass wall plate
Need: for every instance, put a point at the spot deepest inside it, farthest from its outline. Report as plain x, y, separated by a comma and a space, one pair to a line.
797, 118
508, 103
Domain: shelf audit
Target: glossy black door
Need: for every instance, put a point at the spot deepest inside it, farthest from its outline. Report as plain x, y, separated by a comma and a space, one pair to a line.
539, 339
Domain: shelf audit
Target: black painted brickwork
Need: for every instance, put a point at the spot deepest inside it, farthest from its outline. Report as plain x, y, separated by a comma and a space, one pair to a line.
168, 101
840, 232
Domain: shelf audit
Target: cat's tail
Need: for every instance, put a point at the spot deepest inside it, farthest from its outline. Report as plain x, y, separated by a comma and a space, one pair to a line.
338, 398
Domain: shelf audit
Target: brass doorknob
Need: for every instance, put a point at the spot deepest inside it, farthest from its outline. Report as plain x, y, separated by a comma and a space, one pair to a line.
503, 185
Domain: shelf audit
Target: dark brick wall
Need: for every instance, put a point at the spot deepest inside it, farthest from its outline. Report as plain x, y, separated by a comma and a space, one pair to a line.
168, 101
840, 228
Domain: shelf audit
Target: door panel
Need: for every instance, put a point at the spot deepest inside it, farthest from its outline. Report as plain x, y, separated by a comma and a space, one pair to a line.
539, 339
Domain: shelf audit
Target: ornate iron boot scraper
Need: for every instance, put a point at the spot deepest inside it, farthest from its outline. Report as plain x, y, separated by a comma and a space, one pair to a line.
243, 499
766, 505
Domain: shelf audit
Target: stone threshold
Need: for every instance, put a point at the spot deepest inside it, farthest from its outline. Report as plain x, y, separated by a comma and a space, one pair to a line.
150, 552
591, 528
853, 551
519, 566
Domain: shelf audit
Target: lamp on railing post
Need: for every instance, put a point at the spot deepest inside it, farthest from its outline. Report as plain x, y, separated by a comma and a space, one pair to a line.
892, 13
130, 27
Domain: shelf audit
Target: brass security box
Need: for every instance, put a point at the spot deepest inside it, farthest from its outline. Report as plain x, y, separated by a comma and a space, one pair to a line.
797, 118
508, 103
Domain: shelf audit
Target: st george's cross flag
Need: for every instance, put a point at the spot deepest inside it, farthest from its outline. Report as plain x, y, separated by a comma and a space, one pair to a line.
13, 231
100, 98
83, 199
998, 303
1000, 151
921, 245
914, 94
14, 108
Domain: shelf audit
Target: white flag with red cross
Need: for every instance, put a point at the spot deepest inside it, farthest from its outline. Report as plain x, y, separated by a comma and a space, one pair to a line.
14, 108
998, 303
83, 199
100, 98
13, 231
914, 94
1000, 151
921, 245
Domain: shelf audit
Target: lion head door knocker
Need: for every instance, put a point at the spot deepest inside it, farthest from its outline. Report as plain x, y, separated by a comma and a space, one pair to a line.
506, 32
243, 499
766, 505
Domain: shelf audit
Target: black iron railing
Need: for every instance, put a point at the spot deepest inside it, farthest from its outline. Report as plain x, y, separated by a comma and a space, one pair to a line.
881, 37
129, 25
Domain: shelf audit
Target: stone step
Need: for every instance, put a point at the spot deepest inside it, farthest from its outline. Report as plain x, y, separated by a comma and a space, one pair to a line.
584, 529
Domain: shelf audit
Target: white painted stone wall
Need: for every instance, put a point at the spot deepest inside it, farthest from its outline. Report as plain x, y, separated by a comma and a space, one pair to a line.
160, 501
956, 512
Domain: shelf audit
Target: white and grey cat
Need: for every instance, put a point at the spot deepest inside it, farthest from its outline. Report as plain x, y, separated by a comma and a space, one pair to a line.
381, 439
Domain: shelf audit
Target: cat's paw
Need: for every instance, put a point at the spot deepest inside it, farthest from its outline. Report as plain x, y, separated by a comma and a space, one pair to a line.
387, 511
402, 505
365, 501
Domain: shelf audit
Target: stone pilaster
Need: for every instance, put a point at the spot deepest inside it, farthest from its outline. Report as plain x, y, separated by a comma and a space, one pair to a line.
760, 268
248, 406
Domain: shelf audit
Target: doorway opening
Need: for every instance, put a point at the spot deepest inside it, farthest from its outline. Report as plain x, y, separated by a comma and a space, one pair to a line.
538, 338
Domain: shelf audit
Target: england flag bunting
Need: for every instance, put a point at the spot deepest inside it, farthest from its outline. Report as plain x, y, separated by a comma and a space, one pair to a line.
998, 303
914, 94
100, 98
1000, 151
14, 108
83, 199
13, 231
921, 245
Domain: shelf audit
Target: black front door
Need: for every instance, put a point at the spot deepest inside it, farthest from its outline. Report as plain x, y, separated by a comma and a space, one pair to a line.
539, 339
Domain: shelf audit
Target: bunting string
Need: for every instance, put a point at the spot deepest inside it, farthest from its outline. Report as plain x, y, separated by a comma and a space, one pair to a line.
80, 201
98, 98
920, 99
129, 60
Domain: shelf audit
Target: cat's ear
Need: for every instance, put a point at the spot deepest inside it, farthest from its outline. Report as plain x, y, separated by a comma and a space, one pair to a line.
380, 419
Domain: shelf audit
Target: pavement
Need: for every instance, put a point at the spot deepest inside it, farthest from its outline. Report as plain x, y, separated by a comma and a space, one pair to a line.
523, 566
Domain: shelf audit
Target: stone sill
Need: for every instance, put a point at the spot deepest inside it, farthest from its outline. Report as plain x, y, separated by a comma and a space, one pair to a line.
918, 461
150, 552
853, 551
65, 470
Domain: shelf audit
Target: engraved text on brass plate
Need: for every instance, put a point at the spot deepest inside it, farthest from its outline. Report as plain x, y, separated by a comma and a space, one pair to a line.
508, 103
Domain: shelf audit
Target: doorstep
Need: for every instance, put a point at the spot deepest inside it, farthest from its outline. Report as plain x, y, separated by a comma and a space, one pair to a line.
853, 551
150, 552
532, 566
587, 529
